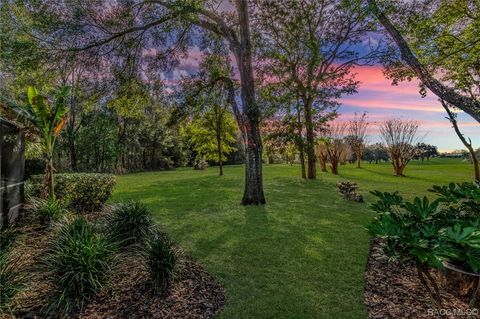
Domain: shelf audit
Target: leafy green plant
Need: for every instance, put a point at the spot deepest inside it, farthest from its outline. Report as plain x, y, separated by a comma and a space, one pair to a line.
464, 198
47, 210
464, 245
78, 263
7, 237
386, 201
129, 223
49, 119
11, 279
161, 259
430, 233
83, 191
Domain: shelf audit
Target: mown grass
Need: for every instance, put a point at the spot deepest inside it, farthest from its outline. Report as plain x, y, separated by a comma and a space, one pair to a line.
302, 255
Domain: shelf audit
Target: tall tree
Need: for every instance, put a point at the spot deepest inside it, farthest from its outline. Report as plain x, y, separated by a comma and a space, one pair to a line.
426, 151
375, 152
310, 46
442, 49
213, 134
133, 32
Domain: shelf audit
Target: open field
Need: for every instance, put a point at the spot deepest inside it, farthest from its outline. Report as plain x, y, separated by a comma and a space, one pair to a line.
303, 254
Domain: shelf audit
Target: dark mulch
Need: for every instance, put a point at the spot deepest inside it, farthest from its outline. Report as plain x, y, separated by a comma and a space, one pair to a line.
393, 290
193, 294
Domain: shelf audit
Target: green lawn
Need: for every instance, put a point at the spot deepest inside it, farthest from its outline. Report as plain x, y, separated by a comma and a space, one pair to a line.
302, 255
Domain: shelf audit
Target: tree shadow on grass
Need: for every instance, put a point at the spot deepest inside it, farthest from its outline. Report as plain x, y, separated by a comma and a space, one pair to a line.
300, 256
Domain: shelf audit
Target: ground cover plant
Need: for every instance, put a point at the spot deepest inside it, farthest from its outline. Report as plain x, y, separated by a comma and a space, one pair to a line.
46, 210
74, 268
11, 280
162, 259
129, 223
78, 262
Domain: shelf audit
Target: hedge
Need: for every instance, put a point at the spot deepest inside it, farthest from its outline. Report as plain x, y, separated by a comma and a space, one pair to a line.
83, 191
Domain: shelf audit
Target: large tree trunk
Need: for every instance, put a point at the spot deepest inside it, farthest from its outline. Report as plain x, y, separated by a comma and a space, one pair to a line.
300, 143
310, 137
253, 193
359, 159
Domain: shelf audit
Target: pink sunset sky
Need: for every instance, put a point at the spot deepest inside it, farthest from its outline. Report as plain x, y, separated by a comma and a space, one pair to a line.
381, 101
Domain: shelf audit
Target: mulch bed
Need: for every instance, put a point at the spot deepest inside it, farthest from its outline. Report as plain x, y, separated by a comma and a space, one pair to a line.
193, 294
393, 290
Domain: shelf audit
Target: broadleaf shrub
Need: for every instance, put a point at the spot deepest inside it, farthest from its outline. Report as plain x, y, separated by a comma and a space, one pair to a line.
129, 223
78, 263
438, 234
431, 233
83, 191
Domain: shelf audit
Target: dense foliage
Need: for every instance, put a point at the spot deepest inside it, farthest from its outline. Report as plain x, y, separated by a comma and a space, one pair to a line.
129, 223
11, 280
47, 119
161, 261
82, 191
78, 263
430, 233
47, 210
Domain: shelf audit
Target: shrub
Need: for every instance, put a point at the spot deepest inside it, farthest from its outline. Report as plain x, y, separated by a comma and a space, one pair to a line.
11, 280
129, 223
83, 191
161, 259
348, 190
78, 263
47, 210
7, 237
200, 164
430, 233
464, 198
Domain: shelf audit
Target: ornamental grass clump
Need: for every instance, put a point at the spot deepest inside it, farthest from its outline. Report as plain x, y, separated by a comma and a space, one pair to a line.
161, 261
47, 210
78, 263
11, 279
129, 224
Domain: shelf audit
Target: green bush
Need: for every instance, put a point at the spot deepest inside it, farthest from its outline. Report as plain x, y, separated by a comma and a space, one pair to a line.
161, 259
83, 191
129, 223
47, 210
78, 263
429, 234
11, 279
